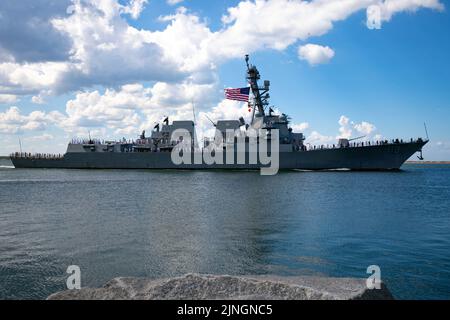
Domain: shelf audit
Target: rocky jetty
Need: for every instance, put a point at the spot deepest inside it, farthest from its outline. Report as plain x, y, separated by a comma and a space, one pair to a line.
198, 287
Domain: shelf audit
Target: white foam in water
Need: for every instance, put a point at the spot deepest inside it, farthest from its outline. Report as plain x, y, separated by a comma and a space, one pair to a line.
7, 167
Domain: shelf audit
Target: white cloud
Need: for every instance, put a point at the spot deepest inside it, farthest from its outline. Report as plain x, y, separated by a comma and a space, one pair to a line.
186, 41
114, 109
345, 131
8, 98
300, 127
381, 11
373, 17
364, 128
135, 7
42, 137
39, 99
29, 77
343, 121
174, 2
315, 138
281, 23
133, 107
12, 121
315, 54
106, 50
125, 111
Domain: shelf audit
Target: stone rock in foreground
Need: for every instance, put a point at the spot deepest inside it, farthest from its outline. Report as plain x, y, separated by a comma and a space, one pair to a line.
198, 287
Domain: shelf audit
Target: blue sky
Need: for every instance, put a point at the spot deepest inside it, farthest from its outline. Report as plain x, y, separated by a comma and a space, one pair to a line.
393, 79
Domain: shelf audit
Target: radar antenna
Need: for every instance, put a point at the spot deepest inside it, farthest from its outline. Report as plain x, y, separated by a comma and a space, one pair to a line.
193, 110
426, 130
20, 145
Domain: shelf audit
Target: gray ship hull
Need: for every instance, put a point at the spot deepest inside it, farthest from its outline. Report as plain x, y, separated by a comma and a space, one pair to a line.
375, 157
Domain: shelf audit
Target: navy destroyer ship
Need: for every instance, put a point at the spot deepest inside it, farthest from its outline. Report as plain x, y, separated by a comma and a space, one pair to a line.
155, 151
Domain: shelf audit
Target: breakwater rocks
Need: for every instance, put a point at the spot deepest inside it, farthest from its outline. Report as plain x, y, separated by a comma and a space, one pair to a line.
198, 287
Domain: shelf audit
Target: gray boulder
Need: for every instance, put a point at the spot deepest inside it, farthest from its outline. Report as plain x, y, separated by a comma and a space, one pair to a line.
198, 287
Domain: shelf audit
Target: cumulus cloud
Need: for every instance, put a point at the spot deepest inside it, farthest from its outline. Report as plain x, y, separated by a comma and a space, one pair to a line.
315, 54
13, 121
91, 43
300, 127
39, 99
186, 41
364, 128
134, 107
104, 50
316, 138
281, 23
345, 132
108, 51
114, 110
135, 7
382, 11
346, 128
27, 78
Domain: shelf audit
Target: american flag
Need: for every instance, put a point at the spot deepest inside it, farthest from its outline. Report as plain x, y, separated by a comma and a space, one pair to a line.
240, 94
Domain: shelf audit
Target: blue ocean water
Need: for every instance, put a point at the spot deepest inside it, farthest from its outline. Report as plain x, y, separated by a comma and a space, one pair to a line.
166, 223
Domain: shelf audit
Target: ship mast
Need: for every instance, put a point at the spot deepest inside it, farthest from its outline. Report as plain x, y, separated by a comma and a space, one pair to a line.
260, 94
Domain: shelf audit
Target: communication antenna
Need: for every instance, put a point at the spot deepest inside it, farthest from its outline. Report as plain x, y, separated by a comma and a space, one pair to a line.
210, 120
193, 110
426, 130
253, 112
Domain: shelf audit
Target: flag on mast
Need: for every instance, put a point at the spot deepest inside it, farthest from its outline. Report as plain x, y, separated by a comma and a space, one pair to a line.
239, 94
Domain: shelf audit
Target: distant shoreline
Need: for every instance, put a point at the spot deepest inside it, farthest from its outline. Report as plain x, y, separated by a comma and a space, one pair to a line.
427, 162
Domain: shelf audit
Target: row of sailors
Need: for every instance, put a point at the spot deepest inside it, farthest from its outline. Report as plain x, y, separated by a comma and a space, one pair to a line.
361, 144
101, 142
37, 155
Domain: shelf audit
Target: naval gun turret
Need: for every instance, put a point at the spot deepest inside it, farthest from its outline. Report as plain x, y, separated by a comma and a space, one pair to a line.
345, 143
